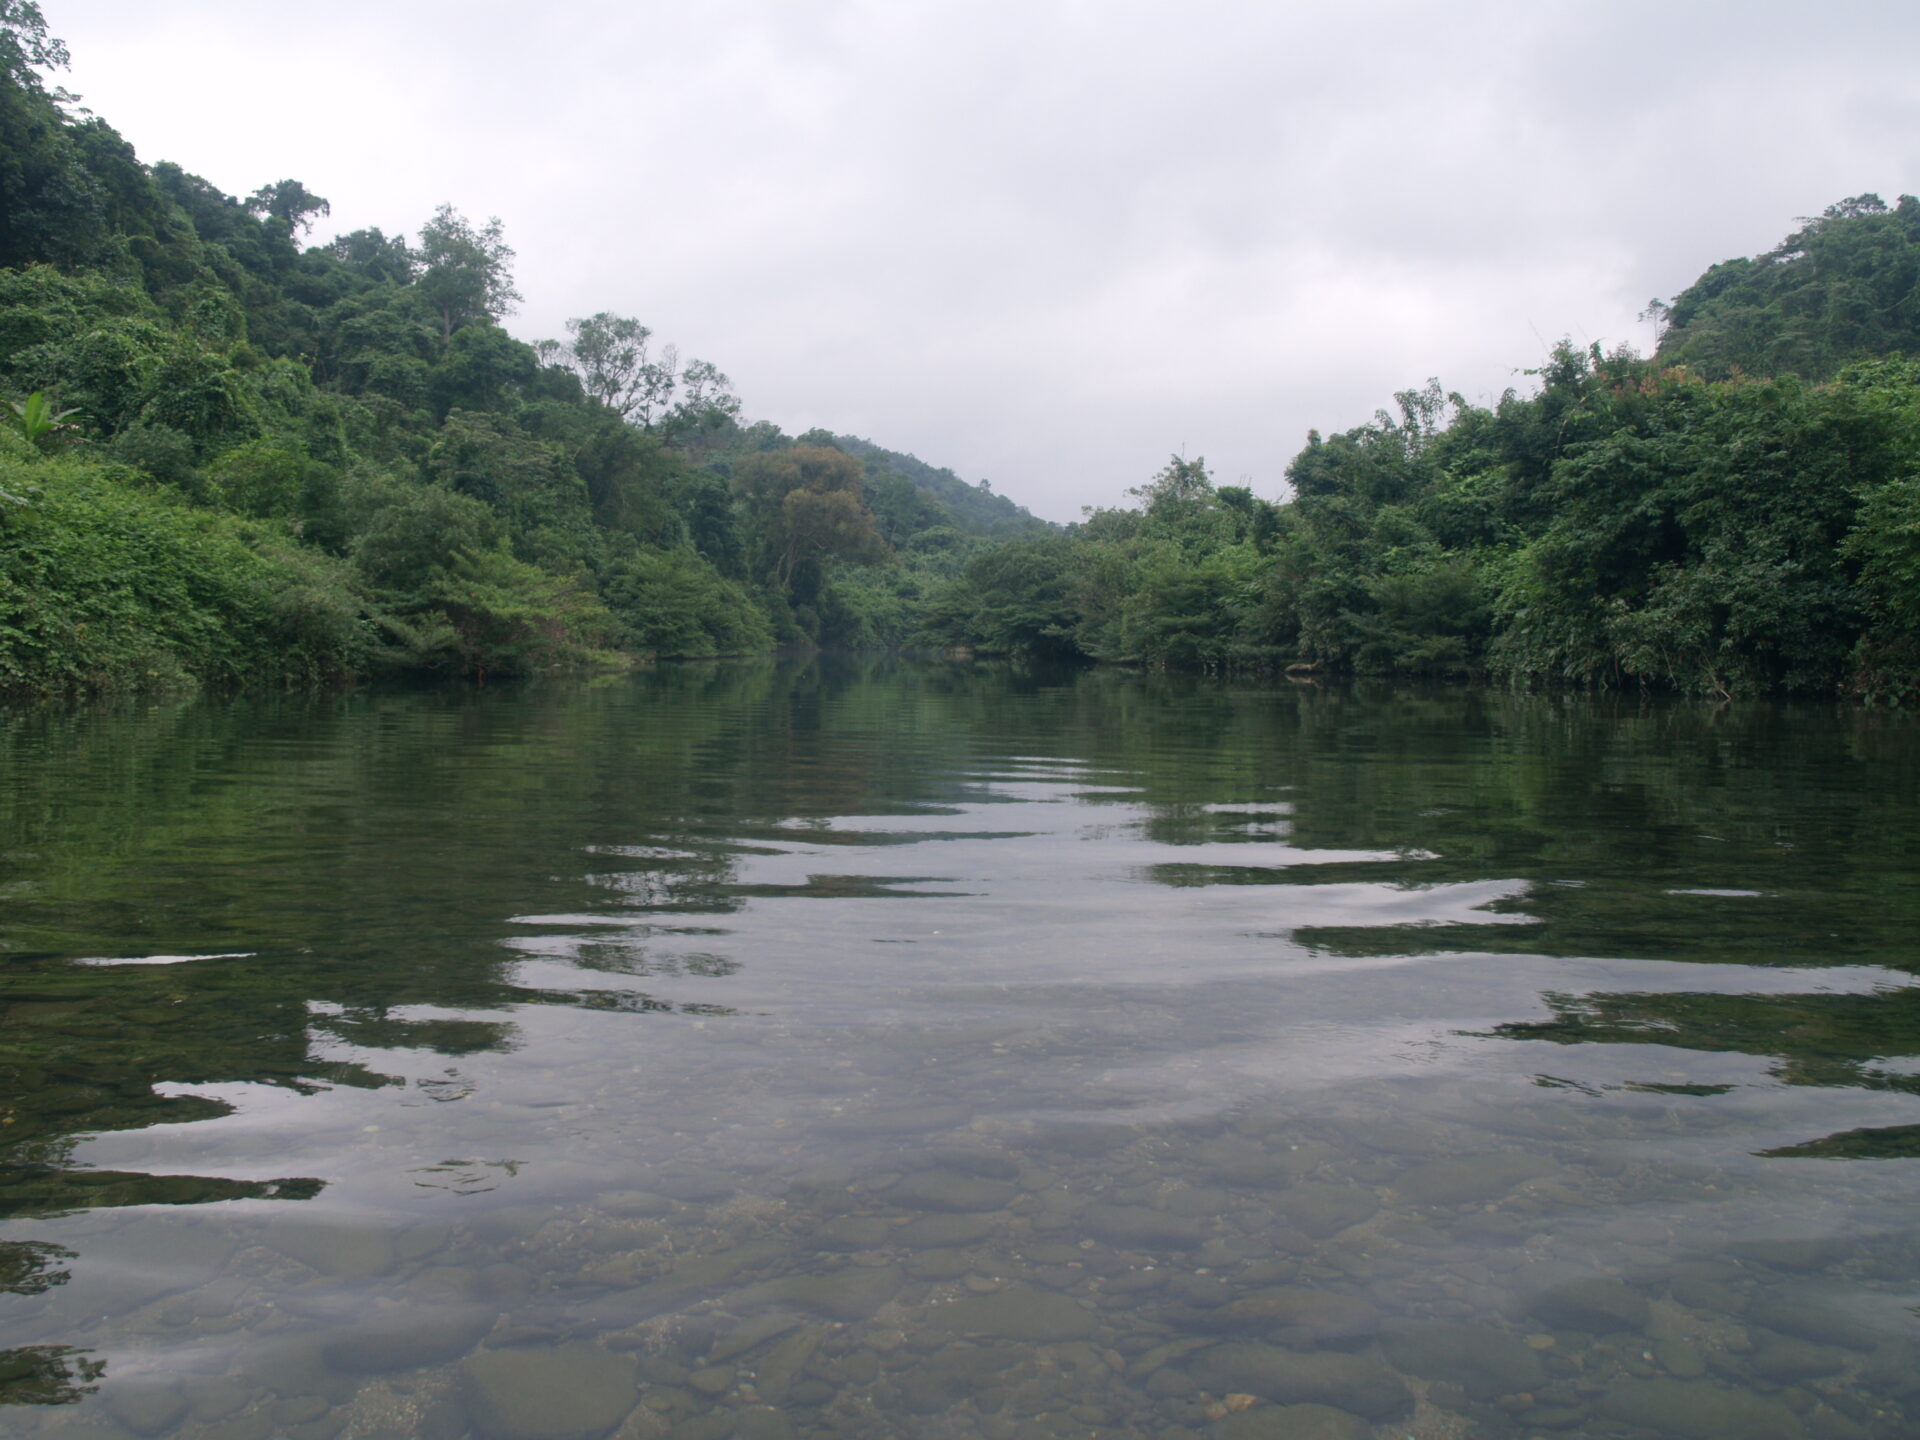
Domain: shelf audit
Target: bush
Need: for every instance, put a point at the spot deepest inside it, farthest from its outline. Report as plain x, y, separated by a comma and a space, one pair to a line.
108, 586
675, 603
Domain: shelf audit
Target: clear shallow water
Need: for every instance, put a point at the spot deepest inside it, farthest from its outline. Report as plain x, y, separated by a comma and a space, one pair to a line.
876, 1050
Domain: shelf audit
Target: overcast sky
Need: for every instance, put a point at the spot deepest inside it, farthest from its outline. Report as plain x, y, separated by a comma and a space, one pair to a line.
1050, 243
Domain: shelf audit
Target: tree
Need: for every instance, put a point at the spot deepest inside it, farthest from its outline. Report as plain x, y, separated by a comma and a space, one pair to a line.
1182, 486
375, 255
609, 353
805, 504
51, 205
1838, 289
1014, 598
466, 273
289, 202
480, 367
900, 508
25, 45
823, 523
707, 400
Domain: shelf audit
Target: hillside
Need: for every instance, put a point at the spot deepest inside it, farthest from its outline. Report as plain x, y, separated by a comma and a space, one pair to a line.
976, 509
237, 457
1739, 515
1845, 286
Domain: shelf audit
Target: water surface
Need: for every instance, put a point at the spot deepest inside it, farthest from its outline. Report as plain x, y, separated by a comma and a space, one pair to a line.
875, 1050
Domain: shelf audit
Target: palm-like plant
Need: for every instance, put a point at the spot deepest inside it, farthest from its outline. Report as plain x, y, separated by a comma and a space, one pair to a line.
37, 418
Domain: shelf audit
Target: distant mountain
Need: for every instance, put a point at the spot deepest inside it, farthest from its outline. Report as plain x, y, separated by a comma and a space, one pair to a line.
975, 508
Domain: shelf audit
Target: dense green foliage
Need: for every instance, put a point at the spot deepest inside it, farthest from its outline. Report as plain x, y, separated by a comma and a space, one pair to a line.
906, 488
1843, 287
231, 457
1655, 523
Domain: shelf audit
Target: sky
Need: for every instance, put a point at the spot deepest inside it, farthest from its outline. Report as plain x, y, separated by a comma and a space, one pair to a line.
1050, 244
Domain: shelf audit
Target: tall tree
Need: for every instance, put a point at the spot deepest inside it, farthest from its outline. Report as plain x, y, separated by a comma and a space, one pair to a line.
25, 45
289, 202
375, 255
466, 273
50, 204
806, 506
610, 354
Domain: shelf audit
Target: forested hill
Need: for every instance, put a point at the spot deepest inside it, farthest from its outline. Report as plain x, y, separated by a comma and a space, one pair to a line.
974, 507
1739, 515
235, 456
230, 456
1845, 286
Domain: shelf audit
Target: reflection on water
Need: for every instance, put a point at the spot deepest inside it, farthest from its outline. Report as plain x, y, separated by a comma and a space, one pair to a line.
1149, 1059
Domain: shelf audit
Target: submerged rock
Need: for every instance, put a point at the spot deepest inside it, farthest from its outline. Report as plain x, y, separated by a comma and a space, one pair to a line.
1200, 1202
442, 1283
1290, 1422
409, 1339
898, 1119
1257, 1170
852, 1232
850, 1294
1482, 1360
1360, 1383
572, 1392
696, 1272
1085, 1141
147, 1408
1698, 1410
1399, 1138
952, 1373
972, 1160
335, 1247
1322, 1210
136, 1268
777, 1368
1298, 1312
1015, 1314
939, 1264
1682, 1358
1469, 1179
749, 1334
696, 1184
1824, 1316
940, 1232
760, 1422
1788, 1361
1598, 1306
1815, 1253
1137, 1227
630, 1203
950, 1190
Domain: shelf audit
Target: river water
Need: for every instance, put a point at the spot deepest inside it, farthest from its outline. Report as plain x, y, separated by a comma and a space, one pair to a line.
849, 1050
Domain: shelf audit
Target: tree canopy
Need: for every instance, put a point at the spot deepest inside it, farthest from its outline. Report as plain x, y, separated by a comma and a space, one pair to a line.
233, 456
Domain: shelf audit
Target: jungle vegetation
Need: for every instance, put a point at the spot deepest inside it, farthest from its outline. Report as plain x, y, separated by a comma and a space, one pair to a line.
229, 456
1737, 514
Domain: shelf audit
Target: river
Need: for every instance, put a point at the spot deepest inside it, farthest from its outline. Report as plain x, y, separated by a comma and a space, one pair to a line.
848, 1049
